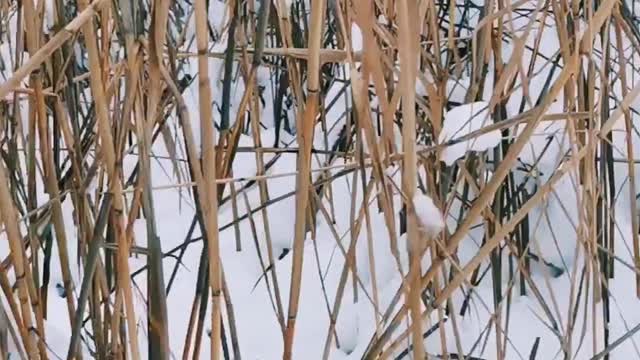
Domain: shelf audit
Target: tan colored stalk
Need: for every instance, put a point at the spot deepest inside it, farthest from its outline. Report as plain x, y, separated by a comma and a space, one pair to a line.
38, 119
359, 79
15, 244
408, 43
15, 310
489, 190
498, 237
306, 125
45, 51
208, 189
51, 184
262, 185
157, 297
115, 182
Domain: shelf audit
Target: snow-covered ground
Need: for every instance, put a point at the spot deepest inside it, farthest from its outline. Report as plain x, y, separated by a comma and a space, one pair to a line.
554, 236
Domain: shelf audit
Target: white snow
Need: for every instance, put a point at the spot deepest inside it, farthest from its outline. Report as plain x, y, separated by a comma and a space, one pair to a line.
552, 232
429, 215
49, 16
463, 120
356, 37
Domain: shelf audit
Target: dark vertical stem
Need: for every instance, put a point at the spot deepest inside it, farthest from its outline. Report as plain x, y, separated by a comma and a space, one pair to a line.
228, 68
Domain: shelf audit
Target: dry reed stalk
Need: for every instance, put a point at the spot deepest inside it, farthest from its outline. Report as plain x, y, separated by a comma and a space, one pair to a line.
403, 44
306, 123
37, 112
115, 182
15, 244
46, 50
262, 185
408, 42
15, 312
365, 125
156, 293
484, 197
498, 237
208, 189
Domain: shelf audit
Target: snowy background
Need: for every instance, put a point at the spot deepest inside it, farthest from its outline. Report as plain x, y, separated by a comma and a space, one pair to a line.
560, 318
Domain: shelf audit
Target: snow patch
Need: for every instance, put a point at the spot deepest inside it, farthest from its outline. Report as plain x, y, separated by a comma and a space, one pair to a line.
463, 120
429, 215
356, 37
